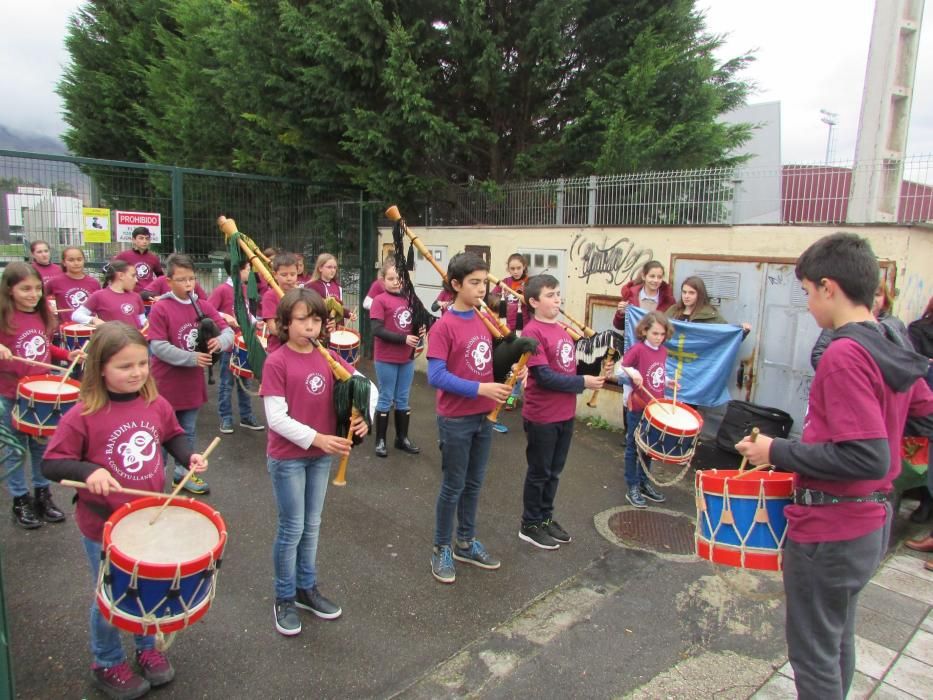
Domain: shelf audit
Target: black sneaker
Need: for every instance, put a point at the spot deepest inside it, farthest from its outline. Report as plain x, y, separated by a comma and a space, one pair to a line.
251, 424
120, 682
651, 493
23, 513
537, 534
635, 498
311, 599
475, 553
286, 618
556, 531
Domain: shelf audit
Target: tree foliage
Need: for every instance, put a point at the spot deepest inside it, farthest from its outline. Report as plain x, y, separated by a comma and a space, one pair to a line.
402, 98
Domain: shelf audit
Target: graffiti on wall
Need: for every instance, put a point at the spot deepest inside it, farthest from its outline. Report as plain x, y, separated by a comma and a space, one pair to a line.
618, 260
913, 296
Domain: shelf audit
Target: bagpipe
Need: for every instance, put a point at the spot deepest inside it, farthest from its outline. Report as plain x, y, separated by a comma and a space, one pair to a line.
351, 391
508, 348
207, 330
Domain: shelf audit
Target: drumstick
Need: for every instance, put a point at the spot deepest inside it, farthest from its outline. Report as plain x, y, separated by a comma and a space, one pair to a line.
654, 399
132, 492
676, 382
39, 364
753, 469
181, 484
754, 436
69, 371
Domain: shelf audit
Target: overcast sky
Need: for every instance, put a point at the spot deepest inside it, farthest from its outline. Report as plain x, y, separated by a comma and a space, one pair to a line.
811, 55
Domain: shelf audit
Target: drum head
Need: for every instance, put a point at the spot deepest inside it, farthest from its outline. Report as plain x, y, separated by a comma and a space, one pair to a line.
675, 418
344, 337
48, 387
179, 535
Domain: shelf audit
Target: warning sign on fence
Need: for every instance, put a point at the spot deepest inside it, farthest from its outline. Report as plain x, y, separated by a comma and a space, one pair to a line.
96, 225
126, 221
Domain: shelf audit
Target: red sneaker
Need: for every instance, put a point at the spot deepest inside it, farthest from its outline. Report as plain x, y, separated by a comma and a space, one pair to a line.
156, 667
120, 682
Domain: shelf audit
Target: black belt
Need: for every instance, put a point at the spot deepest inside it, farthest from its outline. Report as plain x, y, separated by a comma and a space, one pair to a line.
811, 497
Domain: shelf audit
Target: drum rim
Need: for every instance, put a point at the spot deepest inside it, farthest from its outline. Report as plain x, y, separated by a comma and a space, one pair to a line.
80, 326
134, 623
33, 394
162, 571
357, 339
769, 560
779, 483
679, 432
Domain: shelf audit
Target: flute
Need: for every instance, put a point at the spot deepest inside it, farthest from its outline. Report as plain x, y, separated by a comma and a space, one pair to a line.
607, 364
510, 382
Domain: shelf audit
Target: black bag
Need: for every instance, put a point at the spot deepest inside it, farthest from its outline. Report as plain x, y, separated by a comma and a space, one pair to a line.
742, 416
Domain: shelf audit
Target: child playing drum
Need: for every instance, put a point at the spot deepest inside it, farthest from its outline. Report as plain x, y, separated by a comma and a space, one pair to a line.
118, 301
297, 390
72, 289
113, 438
324, 282
644, 366
26, 327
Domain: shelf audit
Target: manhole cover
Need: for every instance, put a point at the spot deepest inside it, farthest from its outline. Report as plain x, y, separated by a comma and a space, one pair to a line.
665, 533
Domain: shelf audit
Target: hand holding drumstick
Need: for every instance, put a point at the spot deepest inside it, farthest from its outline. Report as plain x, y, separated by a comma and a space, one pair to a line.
757, 451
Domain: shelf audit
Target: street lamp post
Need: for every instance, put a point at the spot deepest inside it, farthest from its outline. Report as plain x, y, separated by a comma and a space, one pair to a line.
830, 119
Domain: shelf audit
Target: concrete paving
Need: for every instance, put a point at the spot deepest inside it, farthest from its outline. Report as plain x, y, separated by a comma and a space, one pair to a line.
595, 619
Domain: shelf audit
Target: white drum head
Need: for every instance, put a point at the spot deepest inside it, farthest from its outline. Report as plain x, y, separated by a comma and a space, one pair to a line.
179, 535
674, 417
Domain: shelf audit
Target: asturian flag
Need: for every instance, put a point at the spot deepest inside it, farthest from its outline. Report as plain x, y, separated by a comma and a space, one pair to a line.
700, 355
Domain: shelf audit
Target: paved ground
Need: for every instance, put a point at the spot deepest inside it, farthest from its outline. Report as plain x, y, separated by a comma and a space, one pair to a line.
596, 619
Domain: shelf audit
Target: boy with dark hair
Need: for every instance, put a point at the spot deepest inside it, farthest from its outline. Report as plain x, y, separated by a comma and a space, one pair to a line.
460, 368
147, 264
838, 526
177, 367
548, 412
222, 299
285, 269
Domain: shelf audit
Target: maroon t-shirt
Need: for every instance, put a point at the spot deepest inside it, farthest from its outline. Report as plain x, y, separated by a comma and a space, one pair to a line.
148, 266
557, 351
175, 321
70, 293
375, 289
849, 400
306, 382
47, 272
110, 305
395, 313
650, 363
465, 345
326, 289
125, 437
159, 287
28, 338
267, 306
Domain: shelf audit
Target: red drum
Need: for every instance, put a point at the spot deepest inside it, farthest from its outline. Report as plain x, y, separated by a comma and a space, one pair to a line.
41, 401
148, 304
740, 519
76, 335
668, 431
239, 358
346, 343
162, 577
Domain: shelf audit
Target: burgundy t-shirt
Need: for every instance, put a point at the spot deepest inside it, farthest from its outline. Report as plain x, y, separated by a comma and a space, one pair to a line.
650, 364
70, 293
125, 437
159, 286
326, 289
512, 303
176, 322
375, 289
267, 307
306, 382
465, 345
557, 351
28, 339
47, 272
109, 305
849, 400
148, 266
395, 313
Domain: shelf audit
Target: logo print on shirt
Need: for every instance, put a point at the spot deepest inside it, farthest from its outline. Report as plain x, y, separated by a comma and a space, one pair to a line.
142, 270
33, 348
566, 355
137, 451
656, 377
403, 319
478, 354
315, 383
127, 308
76, 297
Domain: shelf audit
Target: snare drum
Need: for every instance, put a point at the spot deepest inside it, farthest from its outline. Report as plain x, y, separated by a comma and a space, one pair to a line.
346, 343
161, 577
239, 358
76, 335
41, 401
740, 520
668, 431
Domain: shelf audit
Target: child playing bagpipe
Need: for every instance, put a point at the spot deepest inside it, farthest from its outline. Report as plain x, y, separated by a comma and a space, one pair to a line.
72, 289
177, 365
643, 365
222, 299
26, 327
145, 262
460, 367
111, 439
285, 269
549, 410
393, 329
297, 390
118, 301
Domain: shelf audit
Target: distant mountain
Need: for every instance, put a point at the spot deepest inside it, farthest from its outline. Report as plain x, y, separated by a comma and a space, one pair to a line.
32, 142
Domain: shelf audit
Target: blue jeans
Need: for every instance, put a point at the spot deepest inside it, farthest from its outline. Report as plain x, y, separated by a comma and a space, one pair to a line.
105, 638
634, 476
464, 442
188, 420
300, 486
10, 461
227, 381
394, 385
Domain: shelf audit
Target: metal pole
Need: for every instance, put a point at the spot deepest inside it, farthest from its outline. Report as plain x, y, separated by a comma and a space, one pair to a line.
178, 211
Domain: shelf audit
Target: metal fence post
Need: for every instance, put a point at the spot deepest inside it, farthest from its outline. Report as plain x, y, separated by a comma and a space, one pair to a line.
591, 202
178, 210
559, 219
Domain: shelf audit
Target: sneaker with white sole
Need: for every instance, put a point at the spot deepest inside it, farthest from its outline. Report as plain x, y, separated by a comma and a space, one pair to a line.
536, 534
226, 426
286, 618
475, 553
651, 493
635, 498
553, 528
251, 424
442, 564
120, 682
311, 599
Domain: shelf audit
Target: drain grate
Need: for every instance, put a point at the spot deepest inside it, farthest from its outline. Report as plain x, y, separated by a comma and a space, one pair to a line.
650, 529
